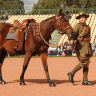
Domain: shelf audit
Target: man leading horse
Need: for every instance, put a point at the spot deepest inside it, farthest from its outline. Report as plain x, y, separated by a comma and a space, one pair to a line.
83, 48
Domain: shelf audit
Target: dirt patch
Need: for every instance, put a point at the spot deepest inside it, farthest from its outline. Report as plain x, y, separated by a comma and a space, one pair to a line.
36, 80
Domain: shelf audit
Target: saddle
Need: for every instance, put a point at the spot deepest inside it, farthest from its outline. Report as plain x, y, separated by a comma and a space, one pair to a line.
11, 34
17, 32
16, 27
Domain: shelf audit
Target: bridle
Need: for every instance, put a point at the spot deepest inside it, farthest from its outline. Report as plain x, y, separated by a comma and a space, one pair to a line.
59, 25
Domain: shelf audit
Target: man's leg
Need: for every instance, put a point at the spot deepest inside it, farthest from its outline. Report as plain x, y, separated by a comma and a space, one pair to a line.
85, 75
85, 72
75, 69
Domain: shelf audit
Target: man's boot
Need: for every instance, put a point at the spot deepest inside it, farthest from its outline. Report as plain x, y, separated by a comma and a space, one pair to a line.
85, 77
72, 73
86, 82
70, 77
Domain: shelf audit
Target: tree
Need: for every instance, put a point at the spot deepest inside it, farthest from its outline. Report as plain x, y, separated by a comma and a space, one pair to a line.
50, 4
8, 5
56, 4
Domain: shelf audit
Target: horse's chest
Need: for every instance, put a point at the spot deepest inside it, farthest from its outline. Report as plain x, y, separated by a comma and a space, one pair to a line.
42, 49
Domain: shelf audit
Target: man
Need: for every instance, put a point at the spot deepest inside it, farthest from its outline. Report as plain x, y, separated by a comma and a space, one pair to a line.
82, 48
67, 12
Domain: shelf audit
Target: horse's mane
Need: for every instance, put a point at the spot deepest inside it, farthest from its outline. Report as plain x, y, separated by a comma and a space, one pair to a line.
47, 19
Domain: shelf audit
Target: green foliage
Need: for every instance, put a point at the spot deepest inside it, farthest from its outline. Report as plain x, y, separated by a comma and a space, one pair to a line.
10, 5
50, 4
44, 6
54, 4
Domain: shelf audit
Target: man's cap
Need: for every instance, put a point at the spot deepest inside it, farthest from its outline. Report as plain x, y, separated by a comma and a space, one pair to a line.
82, 14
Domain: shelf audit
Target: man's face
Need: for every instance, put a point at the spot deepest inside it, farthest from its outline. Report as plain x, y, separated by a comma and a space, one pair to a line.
83, 20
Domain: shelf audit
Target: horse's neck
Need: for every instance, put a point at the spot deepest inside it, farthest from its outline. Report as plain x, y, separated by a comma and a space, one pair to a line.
47, 27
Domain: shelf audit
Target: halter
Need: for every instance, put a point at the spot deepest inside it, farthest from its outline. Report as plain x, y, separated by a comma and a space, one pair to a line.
59, 26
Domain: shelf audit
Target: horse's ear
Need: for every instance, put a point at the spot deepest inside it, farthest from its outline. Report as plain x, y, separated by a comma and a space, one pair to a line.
61, 13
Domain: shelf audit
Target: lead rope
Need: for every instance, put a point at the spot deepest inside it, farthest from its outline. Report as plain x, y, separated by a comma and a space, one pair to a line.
45, 40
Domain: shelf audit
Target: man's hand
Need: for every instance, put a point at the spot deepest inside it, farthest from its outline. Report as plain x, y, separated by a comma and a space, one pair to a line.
80, 38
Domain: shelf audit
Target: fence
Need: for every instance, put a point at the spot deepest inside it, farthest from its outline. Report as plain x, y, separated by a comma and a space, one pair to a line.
46, 11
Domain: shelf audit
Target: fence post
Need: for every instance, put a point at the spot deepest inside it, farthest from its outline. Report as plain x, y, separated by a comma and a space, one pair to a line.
20, 11
72, 10
49, 11
39, 11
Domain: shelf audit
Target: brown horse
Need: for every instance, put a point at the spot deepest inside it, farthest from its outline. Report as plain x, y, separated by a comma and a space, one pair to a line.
34, 44
4, 29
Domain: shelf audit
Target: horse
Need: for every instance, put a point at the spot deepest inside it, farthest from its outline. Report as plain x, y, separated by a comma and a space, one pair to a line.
35, 44
4, 29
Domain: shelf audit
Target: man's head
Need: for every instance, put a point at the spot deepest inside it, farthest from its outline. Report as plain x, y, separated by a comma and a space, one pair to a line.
83, 20
82, 17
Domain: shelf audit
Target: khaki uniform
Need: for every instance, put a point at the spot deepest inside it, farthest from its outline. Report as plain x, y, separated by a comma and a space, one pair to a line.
83, 48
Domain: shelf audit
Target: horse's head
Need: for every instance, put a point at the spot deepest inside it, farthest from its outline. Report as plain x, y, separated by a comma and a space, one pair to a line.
63, 25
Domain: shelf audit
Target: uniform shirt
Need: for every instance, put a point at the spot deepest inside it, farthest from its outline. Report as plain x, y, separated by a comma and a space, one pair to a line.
81, 30
83, 47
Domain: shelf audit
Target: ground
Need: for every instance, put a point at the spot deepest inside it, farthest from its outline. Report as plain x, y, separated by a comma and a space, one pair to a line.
36, 81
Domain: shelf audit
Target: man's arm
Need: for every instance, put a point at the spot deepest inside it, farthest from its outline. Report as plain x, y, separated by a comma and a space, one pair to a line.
85, 32
76, 30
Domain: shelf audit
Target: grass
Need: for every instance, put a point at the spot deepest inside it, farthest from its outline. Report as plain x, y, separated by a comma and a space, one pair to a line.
39, 56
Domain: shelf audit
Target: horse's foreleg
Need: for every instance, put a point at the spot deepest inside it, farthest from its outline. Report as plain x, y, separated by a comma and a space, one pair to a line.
2, 57
45, 65
25, 65
1, 79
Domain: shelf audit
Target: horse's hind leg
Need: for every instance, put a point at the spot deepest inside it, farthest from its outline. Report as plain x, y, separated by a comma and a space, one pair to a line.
2, 57
25, 65
45, 65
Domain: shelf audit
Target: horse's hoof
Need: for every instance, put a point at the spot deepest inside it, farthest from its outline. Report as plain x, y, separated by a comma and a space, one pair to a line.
51, 84
22, 83
3, 82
